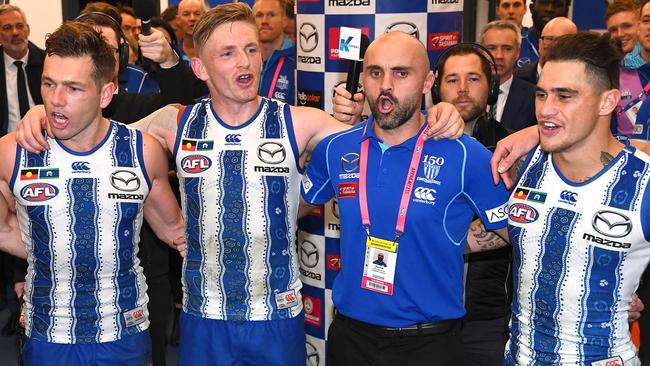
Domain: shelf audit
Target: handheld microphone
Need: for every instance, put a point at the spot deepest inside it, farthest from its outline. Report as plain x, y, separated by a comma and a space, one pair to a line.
355, 67
144, 10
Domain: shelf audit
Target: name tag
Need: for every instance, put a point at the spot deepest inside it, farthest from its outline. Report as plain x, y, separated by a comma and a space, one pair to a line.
134, 317
287, 299
379, 265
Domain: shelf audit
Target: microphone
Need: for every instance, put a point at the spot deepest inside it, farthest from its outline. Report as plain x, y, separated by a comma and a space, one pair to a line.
355, 67
144, 10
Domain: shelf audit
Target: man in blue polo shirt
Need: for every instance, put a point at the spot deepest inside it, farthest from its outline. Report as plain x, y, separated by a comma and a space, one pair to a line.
410, 200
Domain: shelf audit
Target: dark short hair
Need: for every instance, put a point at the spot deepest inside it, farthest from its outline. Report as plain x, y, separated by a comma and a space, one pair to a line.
598, 52
170, 13
74, 39
618, 6
105, 8
462, 50
87, 15
128, 10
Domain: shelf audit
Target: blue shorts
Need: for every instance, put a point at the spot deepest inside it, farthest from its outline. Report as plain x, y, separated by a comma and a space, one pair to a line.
133, 350
222, 342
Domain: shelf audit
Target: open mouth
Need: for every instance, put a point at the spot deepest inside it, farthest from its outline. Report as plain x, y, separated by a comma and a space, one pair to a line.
386, 104
58, 120
549, 128
245, 80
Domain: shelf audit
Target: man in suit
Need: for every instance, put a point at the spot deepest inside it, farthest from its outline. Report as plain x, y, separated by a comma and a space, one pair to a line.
14, 37
555, 28
515, 107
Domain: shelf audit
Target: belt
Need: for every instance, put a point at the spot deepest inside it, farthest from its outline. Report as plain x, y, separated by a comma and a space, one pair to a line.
440, 327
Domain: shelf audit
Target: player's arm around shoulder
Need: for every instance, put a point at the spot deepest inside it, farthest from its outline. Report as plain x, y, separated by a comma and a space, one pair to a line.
162, 125
10, 239
311, 125
161, 208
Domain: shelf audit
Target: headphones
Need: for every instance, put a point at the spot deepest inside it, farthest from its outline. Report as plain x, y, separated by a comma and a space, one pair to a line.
123, 46
485, 55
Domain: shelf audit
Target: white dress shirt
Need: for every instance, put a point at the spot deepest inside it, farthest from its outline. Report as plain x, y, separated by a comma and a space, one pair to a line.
503, 97
12, 89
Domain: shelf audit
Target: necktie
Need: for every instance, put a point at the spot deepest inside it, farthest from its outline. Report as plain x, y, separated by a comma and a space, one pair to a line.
493, 109
23, 102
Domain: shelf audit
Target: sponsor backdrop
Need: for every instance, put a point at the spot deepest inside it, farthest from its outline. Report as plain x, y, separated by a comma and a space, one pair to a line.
437, 23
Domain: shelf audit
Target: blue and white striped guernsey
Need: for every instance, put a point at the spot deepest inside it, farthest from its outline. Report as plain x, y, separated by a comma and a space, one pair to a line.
80, 215
579, 252
240, 195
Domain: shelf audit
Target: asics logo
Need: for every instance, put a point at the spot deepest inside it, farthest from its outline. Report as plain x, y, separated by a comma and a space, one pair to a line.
80, 166
233, 138
569, 196
425, 194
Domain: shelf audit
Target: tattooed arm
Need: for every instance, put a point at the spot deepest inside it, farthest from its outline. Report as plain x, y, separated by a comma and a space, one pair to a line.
479, 239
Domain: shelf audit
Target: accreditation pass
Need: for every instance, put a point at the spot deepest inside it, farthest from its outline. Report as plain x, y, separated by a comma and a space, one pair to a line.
379, 265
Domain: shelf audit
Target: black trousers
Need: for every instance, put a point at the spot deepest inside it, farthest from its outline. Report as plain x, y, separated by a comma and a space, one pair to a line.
484, 342
160, 305
351, 345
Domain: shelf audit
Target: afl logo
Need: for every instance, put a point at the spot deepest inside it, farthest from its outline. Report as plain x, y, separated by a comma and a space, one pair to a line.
523, 213
38, 192
195, 164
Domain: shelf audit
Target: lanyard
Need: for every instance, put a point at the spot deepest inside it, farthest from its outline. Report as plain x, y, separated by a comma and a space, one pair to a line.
275, 76
406, 193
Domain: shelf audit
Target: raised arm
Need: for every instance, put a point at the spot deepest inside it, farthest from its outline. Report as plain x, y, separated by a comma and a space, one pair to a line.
161, 208
443, 118
162, 125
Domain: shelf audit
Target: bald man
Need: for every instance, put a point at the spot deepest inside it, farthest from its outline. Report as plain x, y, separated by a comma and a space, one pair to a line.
555, 28
189, 13
409, 311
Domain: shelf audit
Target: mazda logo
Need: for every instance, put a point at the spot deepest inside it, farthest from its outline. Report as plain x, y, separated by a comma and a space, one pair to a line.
309, 255
308, 36
313, 358
271, 152
350, 162
125, 180
406, 27
612, 224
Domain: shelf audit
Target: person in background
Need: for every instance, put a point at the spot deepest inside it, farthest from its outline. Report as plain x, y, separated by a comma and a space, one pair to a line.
189, 13
515, 107
555, 28
278, 51
542, 11
622, 19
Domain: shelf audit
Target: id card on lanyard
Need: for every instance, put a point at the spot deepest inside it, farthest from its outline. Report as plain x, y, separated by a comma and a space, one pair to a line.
631, 110
380, 262
275, 77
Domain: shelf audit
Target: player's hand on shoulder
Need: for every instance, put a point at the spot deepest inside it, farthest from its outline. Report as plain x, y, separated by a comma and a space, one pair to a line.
444, 122
29, 132
509, 150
